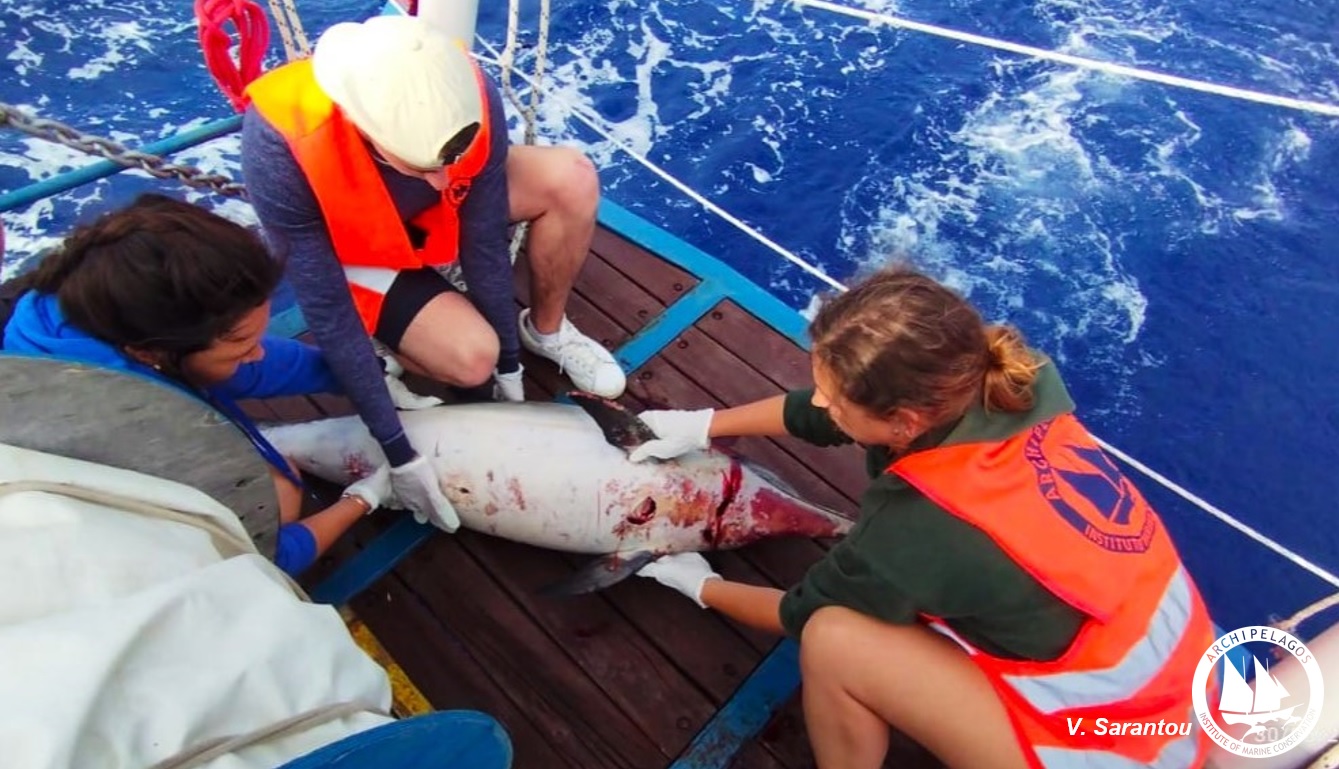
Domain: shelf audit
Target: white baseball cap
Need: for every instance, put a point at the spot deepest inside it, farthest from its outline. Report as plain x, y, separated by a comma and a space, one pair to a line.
401, 82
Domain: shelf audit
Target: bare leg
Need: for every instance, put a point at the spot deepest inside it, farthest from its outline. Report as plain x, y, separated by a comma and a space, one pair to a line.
448, 340
557, 190
862, 675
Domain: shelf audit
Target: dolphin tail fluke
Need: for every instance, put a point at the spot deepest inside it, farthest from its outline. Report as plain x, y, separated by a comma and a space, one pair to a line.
621, 427
605, 571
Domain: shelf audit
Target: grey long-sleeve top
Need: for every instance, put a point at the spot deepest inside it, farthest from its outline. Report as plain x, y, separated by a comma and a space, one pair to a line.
296, 230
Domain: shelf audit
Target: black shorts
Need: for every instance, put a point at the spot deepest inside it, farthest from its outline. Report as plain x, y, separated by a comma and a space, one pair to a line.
409, 293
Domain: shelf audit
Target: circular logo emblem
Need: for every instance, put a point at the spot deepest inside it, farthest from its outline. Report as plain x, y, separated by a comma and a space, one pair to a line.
1242, 702
1084, 487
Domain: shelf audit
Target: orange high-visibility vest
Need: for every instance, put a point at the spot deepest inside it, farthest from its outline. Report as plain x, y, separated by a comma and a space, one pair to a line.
365, 229
1052, 500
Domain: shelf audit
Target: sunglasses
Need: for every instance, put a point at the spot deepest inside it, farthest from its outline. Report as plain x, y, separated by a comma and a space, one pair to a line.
451, 152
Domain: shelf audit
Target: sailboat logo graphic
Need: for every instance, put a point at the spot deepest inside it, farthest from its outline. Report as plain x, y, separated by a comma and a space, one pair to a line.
1242, 704
1269, 696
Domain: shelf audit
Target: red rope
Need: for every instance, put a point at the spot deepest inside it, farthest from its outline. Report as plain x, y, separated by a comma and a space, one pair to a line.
253, 33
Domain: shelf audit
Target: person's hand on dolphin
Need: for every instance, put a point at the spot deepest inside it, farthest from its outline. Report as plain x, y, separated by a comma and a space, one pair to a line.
685, 572
678, 433
375, 489
415, 485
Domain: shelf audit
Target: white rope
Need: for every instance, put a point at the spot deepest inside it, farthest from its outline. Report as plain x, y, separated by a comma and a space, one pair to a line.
541, 59
596, 123
296, 45
1078, 61
1291, 624
507, 58
529, 115
1204, 505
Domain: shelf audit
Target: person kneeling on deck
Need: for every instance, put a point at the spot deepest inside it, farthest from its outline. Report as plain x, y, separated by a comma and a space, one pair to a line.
994, 519
168, 290
383, 159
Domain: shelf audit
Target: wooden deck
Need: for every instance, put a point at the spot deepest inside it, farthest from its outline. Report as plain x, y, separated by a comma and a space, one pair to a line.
625, 678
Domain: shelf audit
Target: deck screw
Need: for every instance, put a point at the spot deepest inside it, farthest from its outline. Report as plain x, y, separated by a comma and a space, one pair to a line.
678, 286
716, 315
641, 313
645, 375
683, 344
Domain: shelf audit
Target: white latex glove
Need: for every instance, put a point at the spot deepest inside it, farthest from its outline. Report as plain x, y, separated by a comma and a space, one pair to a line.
415, 486
404, 398
509, 387
375, 489
679, 431
685, 572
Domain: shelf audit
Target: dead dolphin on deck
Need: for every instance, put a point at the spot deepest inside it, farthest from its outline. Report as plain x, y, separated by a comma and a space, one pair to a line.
557, 476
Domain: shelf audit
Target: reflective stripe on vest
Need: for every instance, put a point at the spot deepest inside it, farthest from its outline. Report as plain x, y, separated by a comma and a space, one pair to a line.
1053, 692
364, 226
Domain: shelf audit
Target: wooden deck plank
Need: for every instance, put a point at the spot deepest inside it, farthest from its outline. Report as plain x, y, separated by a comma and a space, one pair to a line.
761, 348
333, 405
661, 279
294, 408
755, 755
258, 410
632, 673
583, 723
451, 676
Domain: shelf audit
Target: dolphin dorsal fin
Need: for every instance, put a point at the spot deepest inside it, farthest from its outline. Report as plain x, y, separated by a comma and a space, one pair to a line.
621, 427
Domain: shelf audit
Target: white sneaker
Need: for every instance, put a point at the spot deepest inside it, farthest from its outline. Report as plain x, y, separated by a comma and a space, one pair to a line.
585, 361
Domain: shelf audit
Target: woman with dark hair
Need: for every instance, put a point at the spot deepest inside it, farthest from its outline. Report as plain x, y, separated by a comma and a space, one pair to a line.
1004, 582
169, 290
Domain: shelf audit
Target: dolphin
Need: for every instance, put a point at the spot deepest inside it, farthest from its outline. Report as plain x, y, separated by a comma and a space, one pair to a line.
557, 476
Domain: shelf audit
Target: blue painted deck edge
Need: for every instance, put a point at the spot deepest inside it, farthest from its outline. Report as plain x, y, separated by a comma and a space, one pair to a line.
747, 294
663, 328
748, 710
371, 563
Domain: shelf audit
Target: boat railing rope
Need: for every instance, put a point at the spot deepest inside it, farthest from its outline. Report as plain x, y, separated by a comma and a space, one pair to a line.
529, 114
1291, 624
596, 123
1077, 61
59, 133
296, 45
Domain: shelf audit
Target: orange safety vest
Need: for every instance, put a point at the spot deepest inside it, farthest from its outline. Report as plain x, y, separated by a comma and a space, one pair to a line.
365, 229
1052, 500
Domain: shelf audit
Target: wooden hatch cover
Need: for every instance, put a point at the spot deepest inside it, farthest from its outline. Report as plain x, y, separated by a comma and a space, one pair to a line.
128, 421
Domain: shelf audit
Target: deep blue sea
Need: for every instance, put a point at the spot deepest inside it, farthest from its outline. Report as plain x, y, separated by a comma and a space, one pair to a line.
1167, 247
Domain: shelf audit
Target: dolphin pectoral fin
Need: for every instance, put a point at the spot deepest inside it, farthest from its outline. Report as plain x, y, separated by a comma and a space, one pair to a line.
605, 571
621, 427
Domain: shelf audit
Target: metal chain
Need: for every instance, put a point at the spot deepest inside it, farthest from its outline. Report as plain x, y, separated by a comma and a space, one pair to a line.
54, 131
